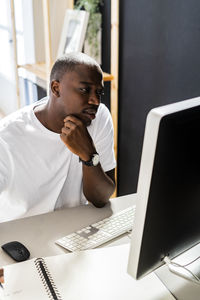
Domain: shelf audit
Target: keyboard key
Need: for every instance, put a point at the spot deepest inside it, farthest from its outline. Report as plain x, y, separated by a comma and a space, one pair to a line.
100, 232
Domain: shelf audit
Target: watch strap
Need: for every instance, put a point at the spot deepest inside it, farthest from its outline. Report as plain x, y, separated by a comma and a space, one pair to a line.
88, 163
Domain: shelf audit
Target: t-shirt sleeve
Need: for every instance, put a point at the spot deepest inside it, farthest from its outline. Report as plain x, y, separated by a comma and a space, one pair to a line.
104, 139
5, 166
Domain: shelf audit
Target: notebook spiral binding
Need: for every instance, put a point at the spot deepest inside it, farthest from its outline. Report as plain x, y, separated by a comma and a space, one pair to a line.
47, 279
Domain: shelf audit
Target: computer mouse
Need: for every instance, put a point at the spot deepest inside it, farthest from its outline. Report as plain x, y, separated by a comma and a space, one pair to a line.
16, 250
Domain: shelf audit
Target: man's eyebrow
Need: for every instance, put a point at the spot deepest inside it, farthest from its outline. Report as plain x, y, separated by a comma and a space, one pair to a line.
88, 82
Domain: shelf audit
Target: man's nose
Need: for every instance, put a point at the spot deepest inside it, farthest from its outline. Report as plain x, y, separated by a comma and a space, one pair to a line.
94, 99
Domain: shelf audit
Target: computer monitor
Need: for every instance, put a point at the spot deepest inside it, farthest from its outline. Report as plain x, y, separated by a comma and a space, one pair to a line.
167, 219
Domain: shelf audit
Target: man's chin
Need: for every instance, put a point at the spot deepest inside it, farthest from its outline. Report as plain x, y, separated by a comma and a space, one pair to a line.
87, 122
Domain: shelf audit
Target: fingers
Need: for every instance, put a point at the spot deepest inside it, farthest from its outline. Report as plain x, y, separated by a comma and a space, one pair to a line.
75, 136
65, 130
70, 127
69, 124
63, 137
73, 119
1, 275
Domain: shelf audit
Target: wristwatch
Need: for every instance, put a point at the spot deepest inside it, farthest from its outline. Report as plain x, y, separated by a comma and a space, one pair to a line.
93, 162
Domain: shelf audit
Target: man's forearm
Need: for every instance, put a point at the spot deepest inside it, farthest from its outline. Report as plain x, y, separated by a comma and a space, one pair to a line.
97, 185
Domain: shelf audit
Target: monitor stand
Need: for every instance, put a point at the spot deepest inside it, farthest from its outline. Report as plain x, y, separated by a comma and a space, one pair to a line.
182, 288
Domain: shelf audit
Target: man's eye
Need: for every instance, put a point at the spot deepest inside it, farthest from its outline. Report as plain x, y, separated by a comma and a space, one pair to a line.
100, 93
84, 90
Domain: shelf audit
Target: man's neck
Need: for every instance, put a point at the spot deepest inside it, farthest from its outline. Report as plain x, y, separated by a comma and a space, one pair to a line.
45, 115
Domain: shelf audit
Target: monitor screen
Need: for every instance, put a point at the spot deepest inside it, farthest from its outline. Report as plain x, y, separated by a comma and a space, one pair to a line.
167, 219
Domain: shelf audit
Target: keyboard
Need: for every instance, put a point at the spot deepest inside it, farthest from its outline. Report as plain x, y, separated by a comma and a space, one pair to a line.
99, 233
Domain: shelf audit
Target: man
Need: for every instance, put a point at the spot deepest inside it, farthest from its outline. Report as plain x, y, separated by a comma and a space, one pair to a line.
58, 152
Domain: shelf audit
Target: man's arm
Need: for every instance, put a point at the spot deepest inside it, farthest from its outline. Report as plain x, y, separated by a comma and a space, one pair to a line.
1, 275
98, 185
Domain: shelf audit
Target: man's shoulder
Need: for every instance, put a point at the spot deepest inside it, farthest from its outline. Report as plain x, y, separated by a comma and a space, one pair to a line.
103, 108
102, 123
12, 117
18, 117
103, 112
18, 124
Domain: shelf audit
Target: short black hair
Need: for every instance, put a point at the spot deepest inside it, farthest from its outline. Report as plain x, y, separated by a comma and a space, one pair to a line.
68, 62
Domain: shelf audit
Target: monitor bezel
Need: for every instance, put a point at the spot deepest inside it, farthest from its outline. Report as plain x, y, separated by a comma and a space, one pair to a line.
153, 120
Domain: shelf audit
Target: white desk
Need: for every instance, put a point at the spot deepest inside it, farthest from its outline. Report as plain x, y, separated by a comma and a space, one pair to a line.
39, 233
180, 287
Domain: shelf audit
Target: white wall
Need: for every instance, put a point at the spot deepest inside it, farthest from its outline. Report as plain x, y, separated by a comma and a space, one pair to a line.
7, 76
57, 13
34, 42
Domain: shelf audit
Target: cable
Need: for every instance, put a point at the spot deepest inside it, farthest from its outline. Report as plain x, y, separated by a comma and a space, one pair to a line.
170, 264
129, 233
192, 261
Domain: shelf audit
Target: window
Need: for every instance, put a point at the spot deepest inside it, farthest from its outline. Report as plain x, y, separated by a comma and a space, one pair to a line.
6, 49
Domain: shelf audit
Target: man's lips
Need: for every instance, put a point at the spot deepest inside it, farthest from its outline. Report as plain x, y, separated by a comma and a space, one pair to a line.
90, 112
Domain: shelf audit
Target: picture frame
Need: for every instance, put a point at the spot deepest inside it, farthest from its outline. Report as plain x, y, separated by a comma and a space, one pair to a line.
73, 31
93, 47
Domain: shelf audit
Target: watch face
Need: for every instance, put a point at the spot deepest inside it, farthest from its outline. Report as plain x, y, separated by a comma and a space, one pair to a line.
95, 159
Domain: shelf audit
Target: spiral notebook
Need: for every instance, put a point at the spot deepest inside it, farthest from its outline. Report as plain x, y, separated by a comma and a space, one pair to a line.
30, 280
88, 275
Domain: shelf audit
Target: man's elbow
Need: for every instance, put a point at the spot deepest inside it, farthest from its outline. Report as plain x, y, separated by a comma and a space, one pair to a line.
100, 204
102, 201
101, 197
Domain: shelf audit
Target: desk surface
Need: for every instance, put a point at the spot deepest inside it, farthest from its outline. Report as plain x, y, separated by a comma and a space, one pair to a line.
39, 233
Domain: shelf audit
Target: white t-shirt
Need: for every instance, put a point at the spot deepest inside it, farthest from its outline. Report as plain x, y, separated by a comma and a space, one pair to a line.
38, 173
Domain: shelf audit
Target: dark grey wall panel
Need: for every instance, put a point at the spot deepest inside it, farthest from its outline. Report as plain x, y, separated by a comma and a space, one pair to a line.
106, 23
159, 64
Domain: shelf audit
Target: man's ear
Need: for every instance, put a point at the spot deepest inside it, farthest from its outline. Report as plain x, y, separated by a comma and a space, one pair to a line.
55, 88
